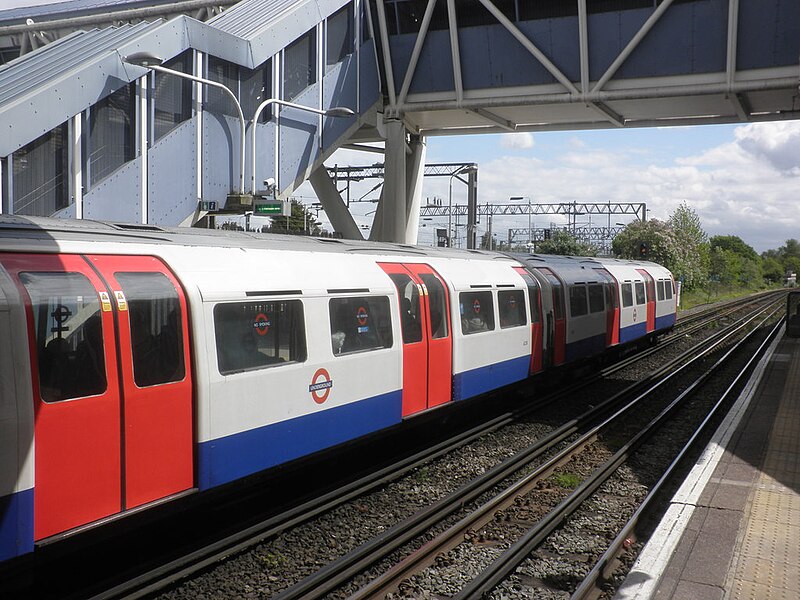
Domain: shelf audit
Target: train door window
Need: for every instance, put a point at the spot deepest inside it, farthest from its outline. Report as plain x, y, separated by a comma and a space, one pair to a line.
578, 303
660, 289
511, 306
156, 328
410, 317
69, 336
668, 289
640, 295
627, 295
360, 323
558, 293
259, 334
437, 300
477, 312
596, 300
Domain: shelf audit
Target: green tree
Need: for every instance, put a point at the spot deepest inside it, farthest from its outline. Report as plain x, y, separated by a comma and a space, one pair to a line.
563, 242
658, 236
691, 250
772, 268
300, 220
735, 244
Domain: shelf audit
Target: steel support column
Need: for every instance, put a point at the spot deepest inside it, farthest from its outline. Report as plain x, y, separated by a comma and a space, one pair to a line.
472, 209
340, 218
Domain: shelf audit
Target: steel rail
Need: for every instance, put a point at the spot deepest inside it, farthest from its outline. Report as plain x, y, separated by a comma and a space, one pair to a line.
339, 571
523, 547
602, 568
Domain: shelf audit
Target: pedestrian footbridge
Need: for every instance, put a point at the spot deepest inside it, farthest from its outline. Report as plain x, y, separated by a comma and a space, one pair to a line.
154, 120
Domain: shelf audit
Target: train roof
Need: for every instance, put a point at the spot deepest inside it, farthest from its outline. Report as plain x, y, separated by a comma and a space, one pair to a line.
46, 234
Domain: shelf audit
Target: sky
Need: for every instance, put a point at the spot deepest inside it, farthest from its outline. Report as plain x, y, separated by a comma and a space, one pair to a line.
742, 180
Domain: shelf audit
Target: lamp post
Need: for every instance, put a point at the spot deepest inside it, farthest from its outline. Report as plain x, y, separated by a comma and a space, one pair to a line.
462, 171
153, 62
517, 198
335, 111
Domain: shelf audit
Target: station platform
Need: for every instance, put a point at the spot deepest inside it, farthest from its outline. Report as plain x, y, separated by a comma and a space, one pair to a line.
732, 530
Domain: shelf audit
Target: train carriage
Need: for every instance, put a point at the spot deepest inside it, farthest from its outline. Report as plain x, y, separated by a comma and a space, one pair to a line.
231, 353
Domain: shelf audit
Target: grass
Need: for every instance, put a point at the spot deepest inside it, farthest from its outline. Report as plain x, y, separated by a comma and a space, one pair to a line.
714, 293
567, 481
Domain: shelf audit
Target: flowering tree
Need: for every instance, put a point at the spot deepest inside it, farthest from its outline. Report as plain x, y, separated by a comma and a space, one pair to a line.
691, 251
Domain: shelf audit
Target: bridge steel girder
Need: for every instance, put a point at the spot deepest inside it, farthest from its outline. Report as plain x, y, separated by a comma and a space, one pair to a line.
586, 95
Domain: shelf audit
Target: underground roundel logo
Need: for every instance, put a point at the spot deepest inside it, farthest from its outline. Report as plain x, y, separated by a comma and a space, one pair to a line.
361, 315
321, 384
511, 302
476, 306
261, 324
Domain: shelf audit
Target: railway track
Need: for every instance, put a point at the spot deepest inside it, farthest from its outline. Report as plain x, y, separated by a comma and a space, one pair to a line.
470, 526
146, 584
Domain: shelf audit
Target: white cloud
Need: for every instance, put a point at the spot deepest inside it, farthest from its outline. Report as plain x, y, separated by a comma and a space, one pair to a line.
517, 141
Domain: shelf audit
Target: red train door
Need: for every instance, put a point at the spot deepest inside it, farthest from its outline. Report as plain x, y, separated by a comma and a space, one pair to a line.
535, 307
156, 383
75, 389
427, 342
651, 299
91, 426
559, 312
612, 308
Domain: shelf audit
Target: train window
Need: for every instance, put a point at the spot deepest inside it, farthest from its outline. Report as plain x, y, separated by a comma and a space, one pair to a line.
255, 335
660, 289
596, 298
511, 306
558, 293
156, 329
578, 303
627, 295
477, 312
437, 300
668, 289
68, 329
360, 323
640, 296
410, 316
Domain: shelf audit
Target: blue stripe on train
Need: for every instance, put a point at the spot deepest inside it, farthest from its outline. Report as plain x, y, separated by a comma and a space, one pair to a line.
632, 332
16, 524
591, 346
231, 457
665, 322
485, 379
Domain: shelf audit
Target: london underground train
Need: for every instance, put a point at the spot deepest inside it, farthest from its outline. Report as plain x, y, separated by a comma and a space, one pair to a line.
142, 364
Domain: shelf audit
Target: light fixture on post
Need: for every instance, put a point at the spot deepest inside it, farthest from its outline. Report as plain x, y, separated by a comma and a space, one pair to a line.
154, 63
334, 111
517, 199
465, 170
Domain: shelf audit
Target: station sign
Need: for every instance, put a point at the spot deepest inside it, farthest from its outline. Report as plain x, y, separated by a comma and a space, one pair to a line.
272, 207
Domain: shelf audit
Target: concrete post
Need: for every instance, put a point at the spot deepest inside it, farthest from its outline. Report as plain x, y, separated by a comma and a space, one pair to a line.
337, 212
394, 183
415, 175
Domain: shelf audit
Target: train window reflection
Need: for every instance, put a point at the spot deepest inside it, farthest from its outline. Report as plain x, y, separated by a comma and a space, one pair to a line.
68, 335
410, 316
578, 303
360, 323
254, 335
511, 306
154, 312
477, 312
438, 305
640, 296
627, 295
596, 298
